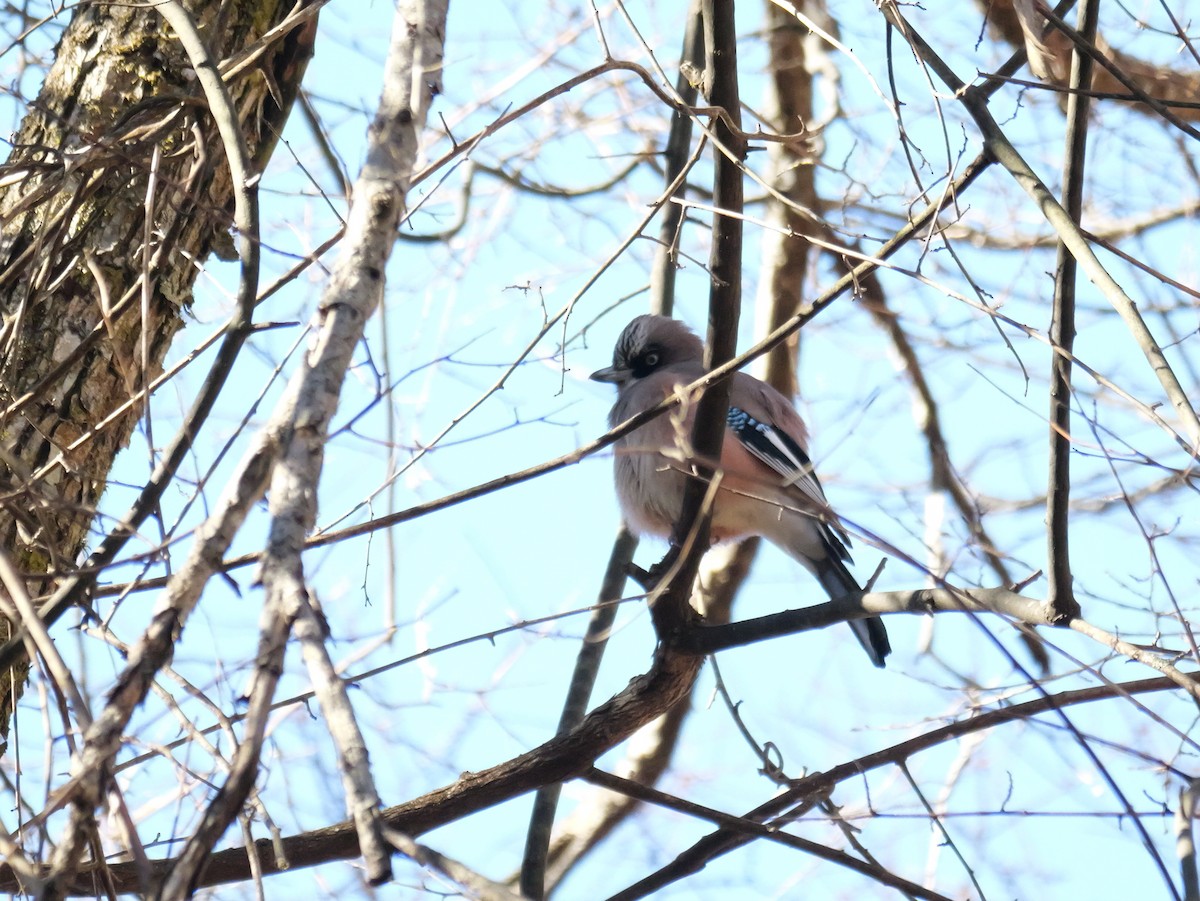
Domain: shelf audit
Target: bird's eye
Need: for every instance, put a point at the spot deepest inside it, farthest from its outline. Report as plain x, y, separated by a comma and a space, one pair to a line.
651, 359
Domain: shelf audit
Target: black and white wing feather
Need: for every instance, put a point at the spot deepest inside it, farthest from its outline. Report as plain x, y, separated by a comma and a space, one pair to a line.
782, 454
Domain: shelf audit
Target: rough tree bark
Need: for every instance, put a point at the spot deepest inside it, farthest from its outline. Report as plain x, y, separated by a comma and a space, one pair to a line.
89, 307
1166, 83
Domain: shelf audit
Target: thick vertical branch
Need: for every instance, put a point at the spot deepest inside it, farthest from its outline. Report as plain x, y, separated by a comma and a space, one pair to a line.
297, 433
676, 155
73, 217
671, 609
679, 139
1062, 335
725, 257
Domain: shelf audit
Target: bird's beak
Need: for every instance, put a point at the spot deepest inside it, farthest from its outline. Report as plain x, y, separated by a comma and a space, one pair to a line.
609, 374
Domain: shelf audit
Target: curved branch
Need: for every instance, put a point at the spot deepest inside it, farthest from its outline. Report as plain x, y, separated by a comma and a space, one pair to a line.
563, 757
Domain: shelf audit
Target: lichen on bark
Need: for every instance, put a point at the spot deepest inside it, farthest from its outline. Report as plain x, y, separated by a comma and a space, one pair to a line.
119, 99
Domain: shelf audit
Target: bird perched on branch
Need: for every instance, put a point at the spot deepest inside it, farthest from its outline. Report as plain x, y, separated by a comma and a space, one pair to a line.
767, 483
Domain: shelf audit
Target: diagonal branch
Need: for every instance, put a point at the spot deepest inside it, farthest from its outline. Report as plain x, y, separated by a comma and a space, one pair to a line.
782, 809
1002, 150
292, 443
412, 79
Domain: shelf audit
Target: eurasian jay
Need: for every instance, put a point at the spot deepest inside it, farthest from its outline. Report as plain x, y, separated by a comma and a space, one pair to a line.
768, 486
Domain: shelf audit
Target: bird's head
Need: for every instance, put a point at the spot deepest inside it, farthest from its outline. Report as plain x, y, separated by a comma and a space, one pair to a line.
648, 344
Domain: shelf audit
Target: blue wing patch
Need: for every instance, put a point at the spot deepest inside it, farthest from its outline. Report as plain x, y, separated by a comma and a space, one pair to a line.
779, 450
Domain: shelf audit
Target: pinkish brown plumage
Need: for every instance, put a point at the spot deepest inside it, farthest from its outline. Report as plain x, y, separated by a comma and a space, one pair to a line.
768, 486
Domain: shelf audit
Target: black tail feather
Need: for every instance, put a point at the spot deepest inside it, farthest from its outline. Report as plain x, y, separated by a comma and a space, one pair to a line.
870, 632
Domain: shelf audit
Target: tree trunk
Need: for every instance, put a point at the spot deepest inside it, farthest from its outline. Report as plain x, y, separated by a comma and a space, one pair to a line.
79, 284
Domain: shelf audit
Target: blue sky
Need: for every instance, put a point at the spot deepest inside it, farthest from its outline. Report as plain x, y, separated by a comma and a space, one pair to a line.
458, 311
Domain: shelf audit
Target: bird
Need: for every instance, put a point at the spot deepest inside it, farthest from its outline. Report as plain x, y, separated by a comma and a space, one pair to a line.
768, 486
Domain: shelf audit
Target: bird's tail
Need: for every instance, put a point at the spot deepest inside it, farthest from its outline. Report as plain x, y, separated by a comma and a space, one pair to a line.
871, 634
